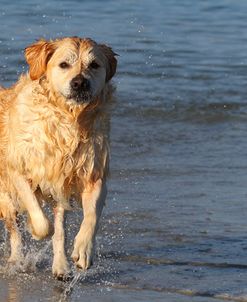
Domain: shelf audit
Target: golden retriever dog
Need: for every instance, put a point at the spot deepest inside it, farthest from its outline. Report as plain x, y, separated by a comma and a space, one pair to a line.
54, 143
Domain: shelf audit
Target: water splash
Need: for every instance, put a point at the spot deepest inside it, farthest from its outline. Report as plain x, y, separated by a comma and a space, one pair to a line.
79, 276
27, 263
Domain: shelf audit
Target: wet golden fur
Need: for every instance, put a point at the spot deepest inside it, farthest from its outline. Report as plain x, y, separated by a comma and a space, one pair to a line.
58, 146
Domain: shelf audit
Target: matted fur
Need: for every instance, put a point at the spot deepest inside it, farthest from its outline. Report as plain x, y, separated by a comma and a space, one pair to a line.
56, 145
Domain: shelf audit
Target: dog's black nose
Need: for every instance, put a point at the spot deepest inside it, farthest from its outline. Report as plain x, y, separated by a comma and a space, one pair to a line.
79, 83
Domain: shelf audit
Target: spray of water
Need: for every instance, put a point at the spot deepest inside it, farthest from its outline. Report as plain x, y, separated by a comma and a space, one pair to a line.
78, 277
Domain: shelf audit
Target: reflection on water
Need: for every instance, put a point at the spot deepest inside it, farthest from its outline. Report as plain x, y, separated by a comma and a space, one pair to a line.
13, 292
175, 221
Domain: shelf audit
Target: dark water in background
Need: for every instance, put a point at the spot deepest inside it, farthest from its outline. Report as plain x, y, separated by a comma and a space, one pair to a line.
175, 225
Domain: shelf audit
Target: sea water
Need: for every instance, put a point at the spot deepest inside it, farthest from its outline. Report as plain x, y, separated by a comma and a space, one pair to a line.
174, 227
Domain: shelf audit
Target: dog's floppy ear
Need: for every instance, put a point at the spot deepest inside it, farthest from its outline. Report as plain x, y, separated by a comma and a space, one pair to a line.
37, 56
111, 61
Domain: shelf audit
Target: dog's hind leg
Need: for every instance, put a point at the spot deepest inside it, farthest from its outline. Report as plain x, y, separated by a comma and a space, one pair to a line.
39, 224
9, 214
60, 267
93, 200
15, 239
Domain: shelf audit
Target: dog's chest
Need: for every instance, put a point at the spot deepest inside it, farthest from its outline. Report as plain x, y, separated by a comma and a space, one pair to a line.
45, 140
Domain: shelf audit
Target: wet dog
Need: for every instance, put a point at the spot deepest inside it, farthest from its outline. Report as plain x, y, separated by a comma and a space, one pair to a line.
54, 126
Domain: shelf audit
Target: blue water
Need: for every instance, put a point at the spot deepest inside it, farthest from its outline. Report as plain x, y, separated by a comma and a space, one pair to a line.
174, 228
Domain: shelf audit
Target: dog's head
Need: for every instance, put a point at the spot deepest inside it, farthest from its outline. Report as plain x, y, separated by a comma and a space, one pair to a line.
75, 68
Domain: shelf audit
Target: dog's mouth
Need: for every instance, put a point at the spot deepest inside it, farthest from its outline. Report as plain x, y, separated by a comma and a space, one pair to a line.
81, 96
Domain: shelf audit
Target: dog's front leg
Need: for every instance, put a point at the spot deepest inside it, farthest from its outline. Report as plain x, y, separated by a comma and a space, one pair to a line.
93, 200
60, 267
39, 224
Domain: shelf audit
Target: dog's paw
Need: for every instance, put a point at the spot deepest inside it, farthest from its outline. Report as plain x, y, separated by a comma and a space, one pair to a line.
15, 259
83, 252
60, 269
39, 227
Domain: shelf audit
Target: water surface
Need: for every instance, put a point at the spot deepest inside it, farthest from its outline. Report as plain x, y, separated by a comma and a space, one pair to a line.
174, 228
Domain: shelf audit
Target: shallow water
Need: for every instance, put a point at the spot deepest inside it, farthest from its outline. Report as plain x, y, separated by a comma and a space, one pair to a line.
174, 228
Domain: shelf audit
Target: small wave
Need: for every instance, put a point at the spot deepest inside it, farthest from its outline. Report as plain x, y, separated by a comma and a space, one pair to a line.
184, 292
193, 112
162, 261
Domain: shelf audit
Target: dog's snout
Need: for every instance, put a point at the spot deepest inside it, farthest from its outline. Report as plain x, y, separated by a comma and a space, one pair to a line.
79, 83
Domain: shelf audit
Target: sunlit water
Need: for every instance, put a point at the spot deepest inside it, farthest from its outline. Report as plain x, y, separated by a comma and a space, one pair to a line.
174, 228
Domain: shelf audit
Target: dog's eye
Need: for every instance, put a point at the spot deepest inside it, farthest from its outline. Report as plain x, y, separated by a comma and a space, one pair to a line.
94, 65
64, 65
